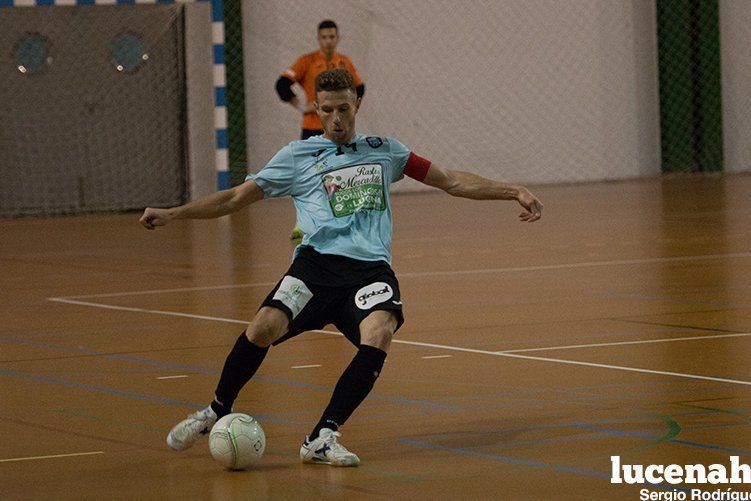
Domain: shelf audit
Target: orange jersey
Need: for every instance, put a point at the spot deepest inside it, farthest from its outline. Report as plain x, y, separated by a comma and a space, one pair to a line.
307, 68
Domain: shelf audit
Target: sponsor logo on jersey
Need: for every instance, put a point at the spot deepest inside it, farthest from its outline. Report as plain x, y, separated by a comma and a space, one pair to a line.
356, 188
374, 142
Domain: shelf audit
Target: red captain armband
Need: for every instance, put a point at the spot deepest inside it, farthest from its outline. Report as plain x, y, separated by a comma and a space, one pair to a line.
417, 167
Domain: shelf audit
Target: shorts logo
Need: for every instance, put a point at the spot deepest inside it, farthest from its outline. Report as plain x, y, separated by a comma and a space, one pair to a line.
294, 294
373, 294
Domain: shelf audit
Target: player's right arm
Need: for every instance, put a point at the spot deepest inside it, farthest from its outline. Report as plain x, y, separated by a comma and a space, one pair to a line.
215, 205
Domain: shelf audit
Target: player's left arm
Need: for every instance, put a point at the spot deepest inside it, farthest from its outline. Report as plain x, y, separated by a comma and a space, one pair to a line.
468, 185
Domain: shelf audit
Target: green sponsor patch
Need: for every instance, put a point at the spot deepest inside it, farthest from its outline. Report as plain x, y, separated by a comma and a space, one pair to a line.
354, 189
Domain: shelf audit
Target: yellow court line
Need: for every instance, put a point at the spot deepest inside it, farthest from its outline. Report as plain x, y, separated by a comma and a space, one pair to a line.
52, 456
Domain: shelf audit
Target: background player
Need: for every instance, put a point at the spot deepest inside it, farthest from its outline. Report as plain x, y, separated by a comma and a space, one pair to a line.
304, 71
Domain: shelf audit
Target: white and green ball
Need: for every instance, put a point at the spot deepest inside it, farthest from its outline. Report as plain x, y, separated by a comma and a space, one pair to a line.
237, 441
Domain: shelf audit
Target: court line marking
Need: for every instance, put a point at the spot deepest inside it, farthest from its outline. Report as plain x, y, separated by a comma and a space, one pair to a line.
576, 362
163, 291
437, 346
173, 377
621, 343
52, 456
586, 264
437, 356
126, 394
305, 366
200, 370
146, 310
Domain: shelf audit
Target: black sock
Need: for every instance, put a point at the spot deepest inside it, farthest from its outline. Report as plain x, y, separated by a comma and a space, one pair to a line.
242, 362
354, 385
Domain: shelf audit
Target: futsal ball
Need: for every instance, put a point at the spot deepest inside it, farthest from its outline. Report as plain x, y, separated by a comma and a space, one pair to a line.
237, 441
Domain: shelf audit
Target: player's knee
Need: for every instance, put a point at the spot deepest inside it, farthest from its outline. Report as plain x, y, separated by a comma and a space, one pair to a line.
377, 333
267, 326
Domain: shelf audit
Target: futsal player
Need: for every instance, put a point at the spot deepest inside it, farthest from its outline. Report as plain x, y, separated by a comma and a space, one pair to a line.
304, 71
341, 272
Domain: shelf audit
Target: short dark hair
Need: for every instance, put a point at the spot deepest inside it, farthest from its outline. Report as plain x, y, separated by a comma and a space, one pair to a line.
335, 79
327, 23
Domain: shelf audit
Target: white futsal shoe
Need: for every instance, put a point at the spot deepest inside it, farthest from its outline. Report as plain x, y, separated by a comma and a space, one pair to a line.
188, 431
327, 450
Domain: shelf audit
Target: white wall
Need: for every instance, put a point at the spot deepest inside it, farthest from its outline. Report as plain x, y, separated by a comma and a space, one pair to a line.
533, 91
735, 54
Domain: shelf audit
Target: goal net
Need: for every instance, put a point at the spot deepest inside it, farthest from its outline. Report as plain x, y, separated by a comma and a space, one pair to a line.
91, 108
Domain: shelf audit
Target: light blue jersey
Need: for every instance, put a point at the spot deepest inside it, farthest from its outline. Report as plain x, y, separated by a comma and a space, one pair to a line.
341, 192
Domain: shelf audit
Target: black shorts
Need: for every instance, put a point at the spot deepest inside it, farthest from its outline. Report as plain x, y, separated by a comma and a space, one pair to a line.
313, 298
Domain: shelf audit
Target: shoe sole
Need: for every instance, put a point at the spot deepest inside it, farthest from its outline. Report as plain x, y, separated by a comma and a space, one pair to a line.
329, 463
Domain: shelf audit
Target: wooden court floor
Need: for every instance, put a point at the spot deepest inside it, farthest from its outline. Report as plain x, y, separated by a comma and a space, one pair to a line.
620, 324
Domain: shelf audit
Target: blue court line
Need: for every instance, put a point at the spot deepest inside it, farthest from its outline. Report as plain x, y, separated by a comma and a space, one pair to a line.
582, 390
574, 389
99, 389
709, 446
537, 427
272, 418
519, 402
504, 459
640, 434
607, 432
721, 425
553, 440
421, 403
373, 396
599, 431
201, 370
525, 462
128, 394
